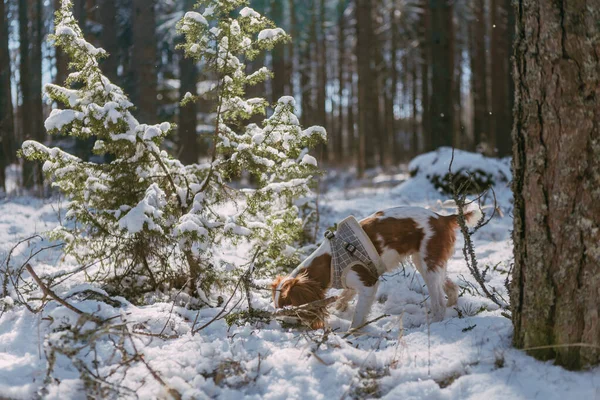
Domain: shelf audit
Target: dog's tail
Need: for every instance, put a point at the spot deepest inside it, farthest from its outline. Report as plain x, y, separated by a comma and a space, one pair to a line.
473, 212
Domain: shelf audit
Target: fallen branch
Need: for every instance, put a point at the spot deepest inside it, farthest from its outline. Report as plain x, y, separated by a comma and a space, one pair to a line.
353, 330
48, 292
314, 305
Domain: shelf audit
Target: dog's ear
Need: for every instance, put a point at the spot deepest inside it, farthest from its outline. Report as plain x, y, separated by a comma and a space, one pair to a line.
302, 290
274, 286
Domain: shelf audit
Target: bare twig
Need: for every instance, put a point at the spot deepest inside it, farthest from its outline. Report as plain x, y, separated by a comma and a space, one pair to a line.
468, 248
353, 330
50, 293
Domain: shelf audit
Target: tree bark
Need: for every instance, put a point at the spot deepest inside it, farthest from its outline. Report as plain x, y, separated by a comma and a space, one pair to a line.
60, 57
479, 87
36, 113
368, 109
339, 144
425, 66
502, 18
556, 162
442, 72
109, 39
24, 71
188, 117
144, 60
278, 55
7, 134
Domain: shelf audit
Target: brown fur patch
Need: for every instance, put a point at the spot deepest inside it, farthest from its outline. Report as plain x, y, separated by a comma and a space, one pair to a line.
402, 235
302, 290
441, 244
319, 270
365, 275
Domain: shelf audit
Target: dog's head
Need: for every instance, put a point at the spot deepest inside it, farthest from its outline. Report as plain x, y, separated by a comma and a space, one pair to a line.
298, 291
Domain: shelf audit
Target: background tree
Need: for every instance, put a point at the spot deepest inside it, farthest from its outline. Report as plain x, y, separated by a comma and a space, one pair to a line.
144, 59
7, 147
554, 291
441, 45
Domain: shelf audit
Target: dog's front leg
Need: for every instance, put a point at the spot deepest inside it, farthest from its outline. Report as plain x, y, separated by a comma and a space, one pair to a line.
366, 296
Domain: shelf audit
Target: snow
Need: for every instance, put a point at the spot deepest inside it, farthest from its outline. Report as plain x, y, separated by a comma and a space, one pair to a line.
398, 357
59, 118
309, 160
270, 34
197, 17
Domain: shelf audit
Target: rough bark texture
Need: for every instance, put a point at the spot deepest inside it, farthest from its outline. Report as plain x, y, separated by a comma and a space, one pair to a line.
60, 58
7, 150
188, 120
442, 72
426, 59
278, 56
36, 113
144, 60
481, 115
556, 280
109, 39
368, 112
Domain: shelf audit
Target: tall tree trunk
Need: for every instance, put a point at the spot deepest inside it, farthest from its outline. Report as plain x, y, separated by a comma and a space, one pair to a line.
278, 55
479, 87
25, 80
144, 60
339, 145
368, 113
60, 57
291, 56
380, 71
109, 39
502, 99
320, 64
426, 60
415, 114
442, 72
556, 159
7, 134
36, 113
395, 45
188, 114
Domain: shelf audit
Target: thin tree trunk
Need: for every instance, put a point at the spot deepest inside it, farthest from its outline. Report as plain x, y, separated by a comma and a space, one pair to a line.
556, 157
339, 145
109, 39
442, 72
291, 57
415, 114
144, 60
188, 114
426, 59
60, 57
7, 134
36, 112
25, 80
481, 115
368, 112
502, 98
278, 55
320, 64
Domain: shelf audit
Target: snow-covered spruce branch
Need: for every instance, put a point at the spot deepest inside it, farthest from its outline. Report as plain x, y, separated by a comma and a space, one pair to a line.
468, 247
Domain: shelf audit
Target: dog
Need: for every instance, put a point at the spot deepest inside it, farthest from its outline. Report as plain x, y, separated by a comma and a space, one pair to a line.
396, 233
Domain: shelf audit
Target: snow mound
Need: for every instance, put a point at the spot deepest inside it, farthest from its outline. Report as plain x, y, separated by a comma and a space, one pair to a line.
476, 171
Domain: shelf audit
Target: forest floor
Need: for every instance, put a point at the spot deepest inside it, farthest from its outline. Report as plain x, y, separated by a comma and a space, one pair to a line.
466, 356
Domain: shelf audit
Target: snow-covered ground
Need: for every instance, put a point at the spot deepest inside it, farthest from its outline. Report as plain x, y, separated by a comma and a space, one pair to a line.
466, 356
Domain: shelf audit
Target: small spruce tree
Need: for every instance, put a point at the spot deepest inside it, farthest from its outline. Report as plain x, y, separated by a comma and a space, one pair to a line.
145, 218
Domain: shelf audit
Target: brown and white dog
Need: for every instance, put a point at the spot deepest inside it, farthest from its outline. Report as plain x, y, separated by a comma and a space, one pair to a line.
397, 233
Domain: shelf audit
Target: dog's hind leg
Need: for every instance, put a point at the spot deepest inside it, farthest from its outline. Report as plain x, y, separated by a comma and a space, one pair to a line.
435, 278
